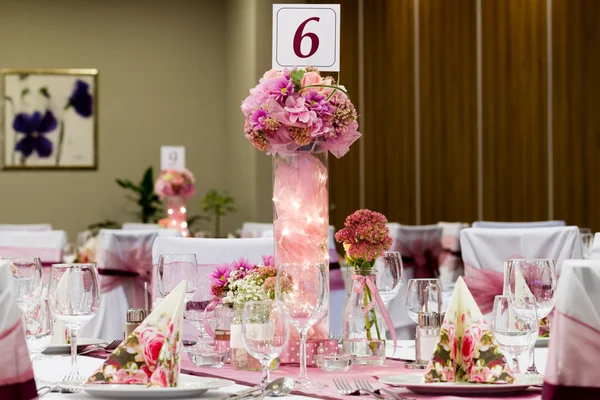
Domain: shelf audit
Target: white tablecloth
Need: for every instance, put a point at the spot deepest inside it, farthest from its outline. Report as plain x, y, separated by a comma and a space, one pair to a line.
54, 368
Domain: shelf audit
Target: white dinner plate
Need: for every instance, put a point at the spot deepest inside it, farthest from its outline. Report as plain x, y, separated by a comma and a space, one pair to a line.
82, 343
414, 383
542, 342
189, 386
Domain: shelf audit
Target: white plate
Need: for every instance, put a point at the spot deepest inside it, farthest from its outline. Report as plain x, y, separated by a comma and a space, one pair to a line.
414, 383
542, 342
189, 386
82, 343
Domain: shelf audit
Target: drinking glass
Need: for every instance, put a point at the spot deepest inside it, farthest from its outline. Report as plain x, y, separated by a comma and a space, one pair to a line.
27, 272
513, 333
38, 326
423, 295
302, 291
74, 297
588, 241
388, 275
265, 332
195, 313
172, 269
531, 278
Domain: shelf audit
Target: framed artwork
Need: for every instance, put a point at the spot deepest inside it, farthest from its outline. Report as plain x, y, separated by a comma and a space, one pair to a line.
49, 118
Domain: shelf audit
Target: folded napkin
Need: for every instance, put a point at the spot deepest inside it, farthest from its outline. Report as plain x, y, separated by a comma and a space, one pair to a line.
16, 374
465, 350
150, 354
572, 366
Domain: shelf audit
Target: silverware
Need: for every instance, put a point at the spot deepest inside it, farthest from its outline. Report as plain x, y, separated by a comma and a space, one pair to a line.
344, 387
277, 384
277, 388
363, 384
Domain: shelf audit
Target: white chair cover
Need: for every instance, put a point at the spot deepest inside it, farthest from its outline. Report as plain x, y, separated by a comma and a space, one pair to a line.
121, 255
139, 226
25, 227
516, 225
489, 248
255, 229
16, 374
419, 246
451, 265
595, 254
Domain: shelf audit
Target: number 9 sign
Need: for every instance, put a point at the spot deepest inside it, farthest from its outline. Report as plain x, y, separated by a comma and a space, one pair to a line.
306, 34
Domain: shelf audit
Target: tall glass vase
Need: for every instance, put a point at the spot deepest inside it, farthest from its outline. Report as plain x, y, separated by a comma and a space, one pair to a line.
301, 213
177, 214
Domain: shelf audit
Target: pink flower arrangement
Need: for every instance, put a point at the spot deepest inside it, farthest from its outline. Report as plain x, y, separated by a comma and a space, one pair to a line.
179, 183
291, 109
365, 236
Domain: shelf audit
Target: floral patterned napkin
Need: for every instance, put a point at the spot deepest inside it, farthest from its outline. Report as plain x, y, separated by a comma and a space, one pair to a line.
465, 350
150, 354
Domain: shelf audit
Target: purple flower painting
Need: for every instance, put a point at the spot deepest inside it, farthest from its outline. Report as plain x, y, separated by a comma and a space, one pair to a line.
34, 127
81, 99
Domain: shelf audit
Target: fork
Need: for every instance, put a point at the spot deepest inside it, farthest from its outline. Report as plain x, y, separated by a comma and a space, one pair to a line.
344, 387
364, 385
69, 379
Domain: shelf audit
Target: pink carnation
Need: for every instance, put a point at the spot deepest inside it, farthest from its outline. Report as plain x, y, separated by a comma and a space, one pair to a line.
365, 235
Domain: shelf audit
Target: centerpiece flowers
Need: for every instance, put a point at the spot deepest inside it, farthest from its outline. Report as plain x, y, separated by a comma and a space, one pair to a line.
236, 283
174, 186
365, 237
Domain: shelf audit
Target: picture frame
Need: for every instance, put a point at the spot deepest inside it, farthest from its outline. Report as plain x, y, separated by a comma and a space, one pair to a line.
49, 119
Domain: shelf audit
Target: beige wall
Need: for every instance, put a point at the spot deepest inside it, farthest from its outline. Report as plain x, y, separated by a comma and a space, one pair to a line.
161, 83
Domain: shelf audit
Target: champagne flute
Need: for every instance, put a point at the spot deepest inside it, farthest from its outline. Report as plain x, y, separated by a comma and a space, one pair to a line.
303, 293
265, 332
588, 241
27, 272
513, 333
74, 296
172, 269
531, 278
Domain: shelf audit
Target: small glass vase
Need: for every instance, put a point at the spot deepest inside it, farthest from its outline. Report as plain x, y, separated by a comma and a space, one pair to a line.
363, 336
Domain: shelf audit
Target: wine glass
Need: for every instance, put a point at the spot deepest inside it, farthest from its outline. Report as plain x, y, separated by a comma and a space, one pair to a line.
514, 333
423, 295
195, 313
388, 275
535, 278
302, 291
38, 322
27, 272
172, 269
74, 297
588, 241
265, 332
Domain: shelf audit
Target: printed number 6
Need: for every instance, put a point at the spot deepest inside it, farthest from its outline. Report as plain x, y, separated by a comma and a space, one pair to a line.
298, 36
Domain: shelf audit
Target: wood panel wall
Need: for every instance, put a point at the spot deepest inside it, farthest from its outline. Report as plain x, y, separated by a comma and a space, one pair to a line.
515, 93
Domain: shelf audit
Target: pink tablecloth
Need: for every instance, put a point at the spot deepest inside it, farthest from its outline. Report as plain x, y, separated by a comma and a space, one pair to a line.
391, 367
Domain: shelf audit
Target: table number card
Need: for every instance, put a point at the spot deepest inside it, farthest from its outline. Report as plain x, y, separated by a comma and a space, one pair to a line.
306, 34
172, 157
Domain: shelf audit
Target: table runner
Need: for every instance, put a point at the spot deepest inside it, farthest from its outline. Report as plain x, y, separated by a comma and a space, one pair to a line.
371, 373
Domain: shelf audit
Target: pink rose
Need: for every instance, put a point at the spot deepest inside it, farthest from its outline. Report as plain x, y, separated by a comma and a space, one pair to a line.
152, 342
470, 339
273, 73
133, 377
160, 377
311, 78
449, 373
483, 375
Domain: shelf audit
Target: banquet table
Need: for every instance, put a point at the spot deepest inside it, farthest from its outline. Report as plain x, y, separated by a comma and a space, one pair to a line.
53, 368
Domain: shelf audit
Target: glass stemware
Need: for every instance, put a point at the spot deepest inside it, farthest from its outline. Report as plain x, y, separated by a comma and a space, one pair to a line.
74, 297
195, 312
265, 332
531, 278
302, 291
388, 275
423, 295
38, 326
173, 268
588, 241
513, 332
27, 273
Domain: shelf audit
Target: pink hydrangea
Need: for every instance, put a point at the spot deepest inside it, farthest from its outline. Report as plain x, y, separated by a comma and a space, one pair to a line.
173, 182
365, 235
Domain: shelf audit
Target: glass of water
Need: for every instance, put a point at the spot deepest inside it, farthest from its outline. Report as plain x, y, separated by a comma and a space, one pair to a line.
38, 326
515, 333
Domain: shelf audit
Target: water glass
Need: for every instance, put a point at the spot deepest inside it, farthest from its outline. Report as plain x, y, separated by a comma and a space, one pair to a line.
302, 291
74, 297
513, 333
38, 322
195, 313
588, 240
173, 268
265, 332
388, 275
423, 295
27, 273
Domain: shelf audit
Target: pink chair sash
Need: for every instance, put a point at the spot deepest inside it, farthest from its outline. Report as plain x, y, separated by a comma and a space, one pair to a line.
572, 367
424, 260
484, 286
134, 264
16, 374
336, 280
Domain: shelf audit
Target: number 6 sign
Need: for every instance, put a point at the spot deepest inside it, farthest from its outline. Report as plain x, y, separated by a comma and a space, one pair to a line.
306, 34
